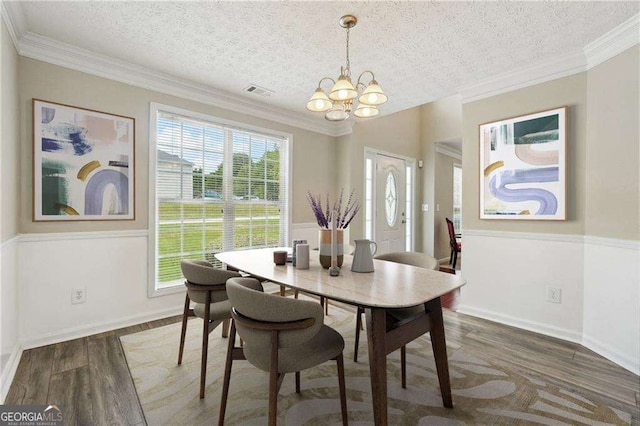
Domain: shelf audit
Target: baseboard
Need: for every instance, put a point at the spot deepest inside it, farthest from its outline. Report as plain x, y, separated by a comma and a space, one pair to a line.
9, 372
536, 327
95, 328
443, 260
611, 354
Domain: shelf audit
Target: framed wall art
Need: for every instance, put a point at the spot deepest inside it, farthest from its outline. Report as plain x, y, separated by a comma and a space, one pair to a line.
523, 167
83, 164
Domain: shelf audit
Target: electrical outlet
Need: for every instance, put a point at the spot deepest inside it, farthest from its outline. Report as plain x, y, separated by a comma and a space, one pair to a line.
78, 295
425, 207
437, 207
554, 294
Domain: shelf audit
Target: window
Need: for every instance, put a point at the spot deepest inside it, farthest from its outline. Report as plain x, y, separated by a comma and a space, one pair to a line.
369, 184
203, 206
391, 199
457, 197
409, 208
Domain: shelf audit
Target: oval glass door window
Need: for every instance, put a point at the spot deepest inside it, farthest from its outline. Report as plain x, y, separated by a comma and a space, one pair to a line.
391, 199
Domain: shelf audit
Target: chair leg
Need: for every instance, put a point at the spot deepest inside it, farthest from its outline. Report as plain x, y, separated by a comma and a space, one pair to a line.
358, 326
455, 259
205, 344
403, 365
297, 382
183, 334
343, 390
273, 380
326, 306
225, 328
227, 374
451, 257
295, 294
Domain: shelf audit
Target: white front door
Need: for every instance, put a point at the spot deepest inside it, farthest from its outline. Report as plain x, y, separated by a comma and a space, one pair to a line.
390, 204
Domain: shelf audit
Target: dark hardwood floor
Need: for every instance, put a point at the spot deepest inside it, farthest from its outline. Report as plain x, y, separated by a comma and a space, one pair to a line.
90, 377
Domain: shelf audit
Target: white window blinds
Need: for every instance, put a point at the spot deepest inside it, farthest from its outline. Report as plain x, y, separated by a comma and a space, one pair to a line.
218, 188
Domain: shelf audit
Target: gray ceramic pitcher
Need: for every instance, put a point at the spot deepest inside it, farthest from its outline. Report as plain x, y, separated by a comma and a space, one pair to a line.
363, 256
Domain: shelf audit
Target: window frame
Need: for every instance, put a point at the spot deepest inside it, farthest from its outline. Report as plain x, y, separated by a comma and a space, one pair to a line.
154, 108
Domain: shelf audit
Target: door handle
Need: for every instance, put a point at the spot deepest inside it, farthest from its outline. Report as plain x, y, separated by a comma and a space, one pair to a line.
404, 221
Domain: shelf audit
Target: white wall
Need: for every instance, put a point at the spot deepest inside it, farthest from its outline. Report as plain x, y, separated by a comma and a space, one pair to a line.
612, 300
10, 349
111, 267
508, 274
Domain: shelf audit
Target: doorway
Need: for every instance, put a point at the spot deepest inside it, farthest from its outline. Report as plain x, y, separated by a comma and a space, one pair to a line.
389, 195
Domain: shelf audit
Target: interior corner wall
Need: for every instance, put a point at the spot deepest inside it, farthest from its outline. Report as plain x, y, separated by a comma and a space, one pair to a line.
440, 121
9, 205
109, 258
509, 264
397, 133
611, 324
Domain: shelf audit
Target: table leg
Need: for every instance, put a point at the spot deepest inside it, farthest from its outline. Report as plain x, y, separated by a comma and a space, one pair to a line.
376, 333
440, 350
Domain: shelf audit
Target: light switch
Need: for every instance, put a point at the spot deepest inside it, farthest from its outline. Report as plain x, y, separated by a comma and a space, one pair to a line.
437, 207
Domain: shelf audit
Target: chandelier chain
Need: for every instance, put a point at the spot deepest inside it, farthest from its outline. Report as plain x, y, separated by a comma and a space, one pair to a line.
348, 65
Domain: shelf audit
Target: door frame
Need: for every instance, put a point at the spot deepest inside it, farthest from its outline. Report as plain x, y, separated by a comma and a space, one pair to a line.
372, 153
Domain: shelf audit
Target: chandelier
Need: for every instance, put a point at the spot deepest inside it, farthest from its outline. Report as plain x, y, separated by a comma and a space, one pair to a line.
342, 97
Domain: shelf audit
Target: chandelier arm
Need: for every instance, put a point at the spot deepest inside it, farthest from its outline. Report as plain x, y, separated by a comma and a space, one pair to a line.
323, 79
373, 77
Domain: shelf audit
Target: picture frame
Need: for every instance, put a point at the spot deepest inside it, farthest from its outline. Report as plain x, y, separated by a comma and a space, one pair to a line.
523, 167
83, 164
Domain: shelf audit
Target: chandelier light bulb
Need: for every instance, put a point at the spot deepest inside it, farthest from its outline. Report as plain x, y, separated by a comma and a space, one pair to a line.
366, 111
319, 102
343, 89
373, 94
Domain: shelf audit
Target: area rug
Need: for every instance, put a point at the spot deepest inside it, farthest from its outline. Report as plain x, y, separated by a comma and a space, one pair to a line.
484, 392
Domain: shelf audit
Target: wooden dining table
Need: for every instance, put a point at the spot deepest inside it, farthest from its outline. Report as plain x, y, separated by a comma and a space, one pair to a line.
390, 286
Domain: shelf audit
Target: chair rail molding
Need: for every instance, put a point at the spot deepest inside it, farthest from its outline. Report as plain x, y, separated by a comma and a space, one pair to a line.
65, 236
569, 238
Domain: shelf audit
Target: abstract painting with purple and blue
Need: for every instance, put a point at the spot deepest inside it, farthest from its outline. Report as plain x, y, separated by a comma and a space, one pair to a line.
83, 164
523, 167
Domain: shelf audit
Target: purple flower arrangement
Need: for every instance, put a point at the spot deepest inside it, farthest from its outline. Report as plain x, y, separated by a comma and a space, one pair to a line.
323, 216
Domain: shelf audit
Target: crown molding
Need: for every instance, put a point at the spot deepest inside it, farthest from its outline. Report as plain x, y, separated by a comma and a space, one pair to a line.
610, 44
614, 42
14, 19
547, 70
450, 152
68, 56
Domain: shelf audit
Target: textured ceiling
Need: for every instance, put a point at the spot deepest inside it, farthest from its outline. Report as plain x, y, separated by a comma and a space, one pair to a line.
419, 51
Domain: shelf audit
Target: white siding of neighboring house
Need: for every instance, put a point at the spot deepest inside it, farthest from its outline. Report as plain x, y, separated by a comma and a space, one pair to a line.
174, 180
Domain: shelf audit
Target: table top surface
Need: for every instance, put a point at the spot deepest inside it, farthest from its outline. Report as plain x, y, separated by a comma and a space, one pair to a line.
391, 285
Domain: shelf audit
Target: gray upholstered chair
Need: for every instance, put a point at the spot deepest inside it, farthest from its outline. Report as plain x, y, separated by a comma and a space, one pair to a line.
206, 288
280, 335
421, 260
